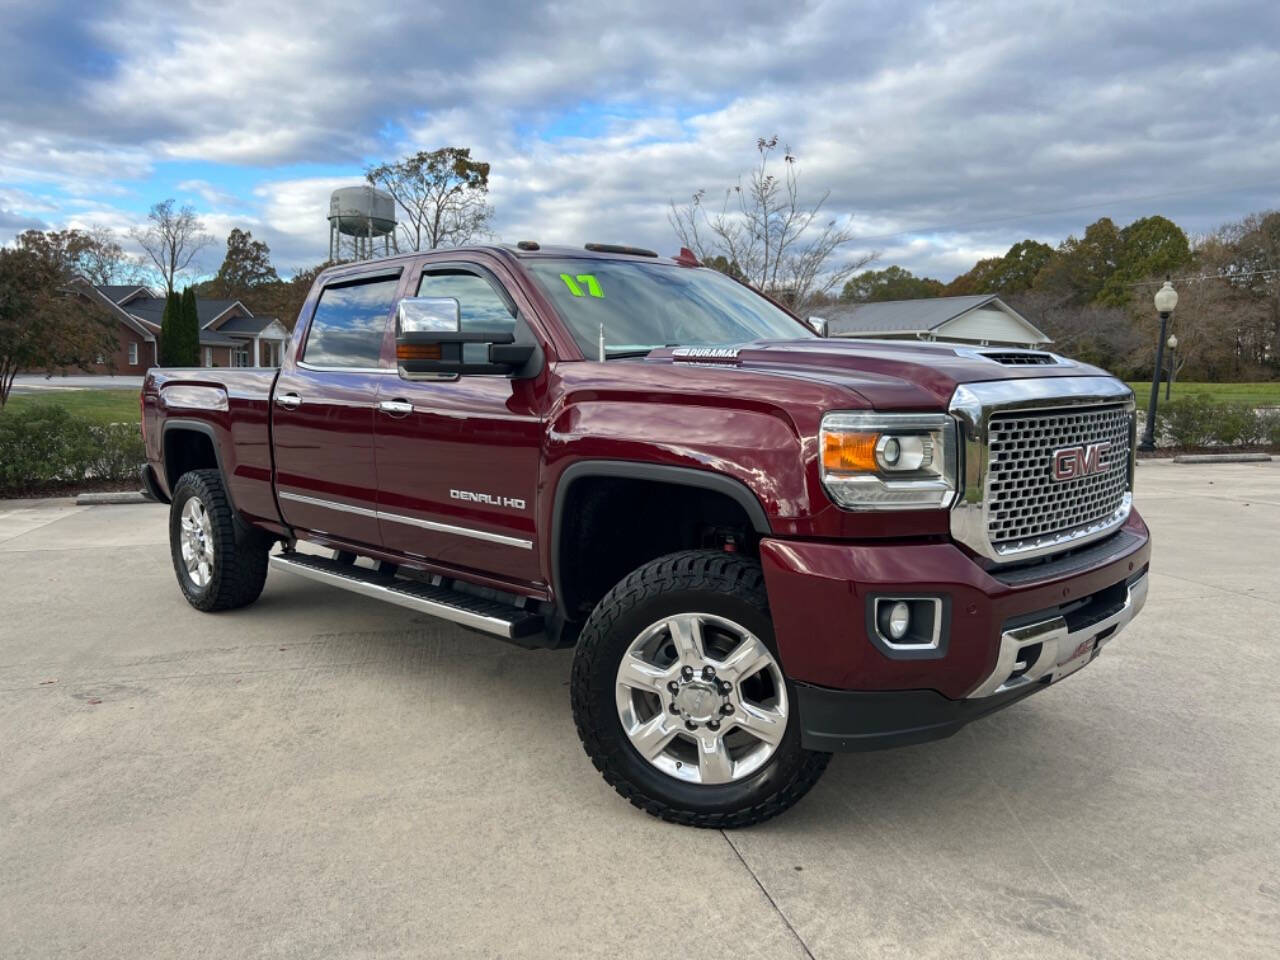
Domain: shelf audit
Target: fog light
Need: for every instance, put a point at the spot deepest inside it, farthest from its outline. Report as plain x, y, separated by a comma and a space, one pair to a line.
899, 620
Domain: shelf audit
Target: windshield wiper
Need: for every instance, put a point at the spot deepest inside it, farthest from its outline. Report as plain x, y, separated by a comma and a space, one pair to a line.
620, 354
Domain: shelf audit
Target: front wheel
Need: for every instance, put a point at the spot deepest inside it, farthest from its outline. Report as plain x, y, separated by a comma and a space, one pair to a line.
679, 697
221, 564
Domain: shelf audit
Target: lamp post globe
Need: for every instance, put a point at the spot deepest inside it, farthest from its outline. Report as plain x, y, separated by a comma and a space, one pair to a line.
1166, 302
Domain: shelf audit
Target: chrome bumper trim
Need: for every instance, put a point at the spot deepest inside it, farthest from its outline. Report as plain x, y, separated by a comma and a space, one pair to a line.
1059, 647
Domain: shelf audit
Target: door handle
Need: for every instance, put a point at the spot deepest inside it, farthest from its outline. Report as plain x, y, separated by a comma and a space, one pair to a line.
395, 408
289, 401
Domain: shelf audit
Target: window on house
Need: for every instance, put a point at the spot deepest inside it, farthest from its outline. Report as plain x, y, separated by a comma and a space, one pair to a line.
133, 354
349, 323
208, 356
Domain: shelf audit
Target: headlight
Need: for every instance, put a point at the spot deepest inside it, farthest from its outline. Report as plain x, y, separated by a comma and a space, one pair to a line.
888, 461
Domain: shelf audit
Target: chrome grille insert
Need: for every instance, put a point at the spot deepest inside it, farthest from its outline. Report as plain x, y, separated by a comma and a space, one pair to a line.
1024, 501
1009, 507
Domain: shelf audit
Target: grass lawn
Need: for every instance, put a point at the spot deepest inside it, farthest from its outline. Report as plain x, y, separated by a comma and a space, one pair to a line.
1266, 393
100, 406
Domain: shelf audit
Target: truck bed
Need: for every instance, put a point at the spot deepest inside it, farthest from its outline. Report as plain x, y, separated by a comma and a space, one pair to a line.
233, 408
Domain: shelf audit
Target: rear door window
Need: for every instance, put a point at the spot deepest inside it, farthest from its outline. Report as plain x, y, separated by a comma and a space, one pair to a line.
349, 323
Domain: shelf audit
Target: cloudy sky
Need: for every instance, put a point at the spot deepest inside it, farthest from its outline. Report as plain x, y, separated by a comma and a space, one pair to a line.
945, 131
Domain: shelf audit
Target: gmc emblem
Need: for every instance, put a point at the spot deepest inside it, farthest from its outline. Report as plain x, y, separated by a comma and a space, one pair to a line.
1071, 463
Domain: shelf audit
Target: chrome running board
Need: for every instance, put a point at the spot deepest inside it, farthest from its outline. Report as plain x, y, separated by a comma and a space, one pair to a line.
478, 613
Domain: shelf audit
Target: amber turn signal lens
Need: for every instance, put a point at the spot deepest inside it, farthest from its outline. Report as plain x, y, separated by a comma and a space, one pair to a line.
849, 451
417, 351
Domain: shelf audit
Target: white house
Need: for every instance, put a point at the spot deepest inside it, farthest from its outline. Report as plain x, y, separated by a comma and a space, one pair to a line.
983, 320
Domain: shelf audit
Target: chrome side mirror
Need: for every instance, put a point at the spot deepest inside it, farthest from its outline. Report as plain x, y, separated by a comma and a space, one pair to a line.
430, 343
428, 315
818, 325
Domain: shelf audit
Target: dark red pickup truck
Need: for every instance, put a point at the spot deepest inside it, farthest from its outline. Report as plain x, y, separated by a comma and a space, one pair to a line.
765, 545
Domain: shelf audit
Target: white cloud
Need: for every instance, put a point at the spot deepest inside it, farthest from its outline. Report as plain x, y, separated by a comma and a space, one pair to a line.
943, 129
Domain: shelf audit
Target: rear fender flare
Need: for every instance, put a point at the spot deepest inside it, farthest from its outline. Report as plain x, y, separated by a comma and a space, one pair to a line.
208, 430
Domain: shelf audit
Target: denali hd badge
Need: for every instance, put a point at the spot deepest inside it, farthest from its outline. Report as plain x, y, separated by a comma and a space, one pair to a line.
493, 500
1071, 463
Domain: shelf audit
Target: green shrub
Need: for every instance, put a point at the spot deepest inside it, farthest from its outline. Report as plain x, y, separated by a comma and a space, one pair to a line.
1269, 426
1197, 421
1187, 421
43, 446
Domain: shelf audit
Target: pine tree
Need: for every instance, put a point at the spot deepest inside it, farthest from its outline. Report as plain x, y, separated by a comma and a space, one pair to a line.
190, 329
170, 332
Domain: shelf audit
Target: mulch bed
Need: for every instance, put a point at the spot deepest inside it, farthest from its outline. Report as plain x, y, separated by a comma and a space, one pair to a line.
1167, 453
67, 489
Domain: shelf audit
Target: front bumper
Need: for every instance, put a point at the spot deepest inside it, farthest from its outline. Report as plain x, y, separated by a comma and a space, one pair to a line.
1007, 634
1031, 656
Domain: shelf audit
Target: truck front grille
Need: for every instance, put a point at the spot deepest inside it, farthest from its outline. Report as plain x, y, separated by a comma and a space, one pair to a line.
1026, 507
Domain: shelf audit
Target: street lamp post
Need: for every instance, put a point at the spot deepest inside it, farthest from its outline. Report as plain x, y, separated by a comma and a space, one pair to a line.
1172, 343
1166, 301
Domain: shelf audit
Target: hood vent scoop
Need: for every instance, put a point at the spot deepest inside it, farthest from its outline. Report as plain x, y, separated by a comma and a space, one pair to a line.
1022, 358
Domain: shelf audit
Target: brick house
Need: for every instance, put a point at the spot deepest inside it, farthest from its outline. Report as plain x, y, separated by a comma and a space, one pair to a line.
230, 335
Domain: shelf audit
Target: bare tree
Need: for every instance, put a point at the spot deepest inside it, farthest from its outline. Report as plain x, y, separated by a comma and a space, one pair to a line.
172, 239
769, 236
443, 194
102, 260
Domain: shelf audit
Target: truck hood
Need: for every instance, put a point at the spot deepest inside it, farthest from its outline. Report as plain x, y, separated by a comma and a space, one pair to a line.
888, 374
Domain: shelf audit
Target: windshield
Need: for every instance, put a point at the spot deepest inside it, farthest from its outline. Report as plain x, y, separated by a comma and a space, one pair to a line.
647, 305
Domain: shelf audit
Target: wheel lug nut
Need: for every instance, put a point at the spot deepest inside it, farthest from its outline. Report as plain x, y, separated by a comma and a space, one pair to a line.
713, 724
687, 672
691, 725
727, 709
725, 688
708, 673
673, 686
673, 708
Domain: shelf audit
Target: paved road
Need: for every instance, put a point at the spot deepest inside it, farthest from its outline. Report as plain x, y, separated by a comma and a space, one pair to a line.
324, 776
39, 383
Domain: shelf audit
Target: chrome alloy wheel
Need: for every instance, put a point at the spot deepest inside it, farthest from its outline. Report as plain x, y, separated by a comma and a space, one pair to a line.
197, 542
702, 698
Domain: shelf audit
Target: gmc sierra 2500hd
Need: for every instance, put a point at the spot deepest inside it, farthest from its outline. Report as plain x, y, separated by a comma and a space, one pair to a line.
766, 545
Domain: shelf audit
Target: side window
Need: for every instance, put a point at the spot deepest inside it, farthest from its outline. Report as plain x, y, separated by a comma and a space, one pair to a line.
482, 306
349, 323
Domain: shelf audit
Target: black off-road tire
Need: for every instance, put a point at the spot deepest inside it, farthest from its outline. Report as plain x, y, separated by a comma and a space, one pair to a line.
239, 568
709, 581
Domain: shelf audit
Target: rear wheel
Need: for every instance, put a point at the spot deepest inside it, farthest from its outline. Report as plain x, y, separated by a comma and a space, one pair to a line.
221, 564
680, 699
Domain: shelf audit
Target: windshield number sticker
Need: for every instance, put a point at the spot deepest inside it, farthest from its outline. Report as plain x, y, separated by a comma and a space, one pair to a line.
593, 285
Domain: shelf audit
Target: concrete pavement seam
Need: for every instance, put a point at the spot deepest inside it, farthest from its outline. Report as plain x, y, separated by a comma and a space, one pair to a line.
768, 896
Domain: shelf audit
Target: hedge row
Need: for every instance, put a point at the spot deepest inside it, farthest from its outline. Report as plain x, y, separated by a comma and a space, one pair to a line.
1197, 421
44, 447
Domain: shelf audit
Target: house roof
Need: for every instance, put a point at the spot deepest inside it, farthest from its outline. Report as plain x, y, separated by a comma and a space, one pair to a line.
902, 316
215, 338
94, 293
151, 309
924, 316
249, 325
120, 292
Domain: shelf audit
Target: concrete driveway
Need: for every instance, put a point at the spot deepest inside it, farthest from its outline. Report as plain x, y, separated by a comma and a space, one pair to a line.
324, 776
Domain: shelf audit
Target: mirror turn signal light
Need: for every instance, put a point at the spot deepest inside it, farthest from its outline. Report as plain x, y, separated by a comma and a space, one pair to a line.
418, 351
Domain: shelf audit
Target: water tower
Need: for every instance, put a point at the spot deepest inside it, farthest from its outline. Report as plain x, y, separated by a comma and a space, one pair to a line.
362, 213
